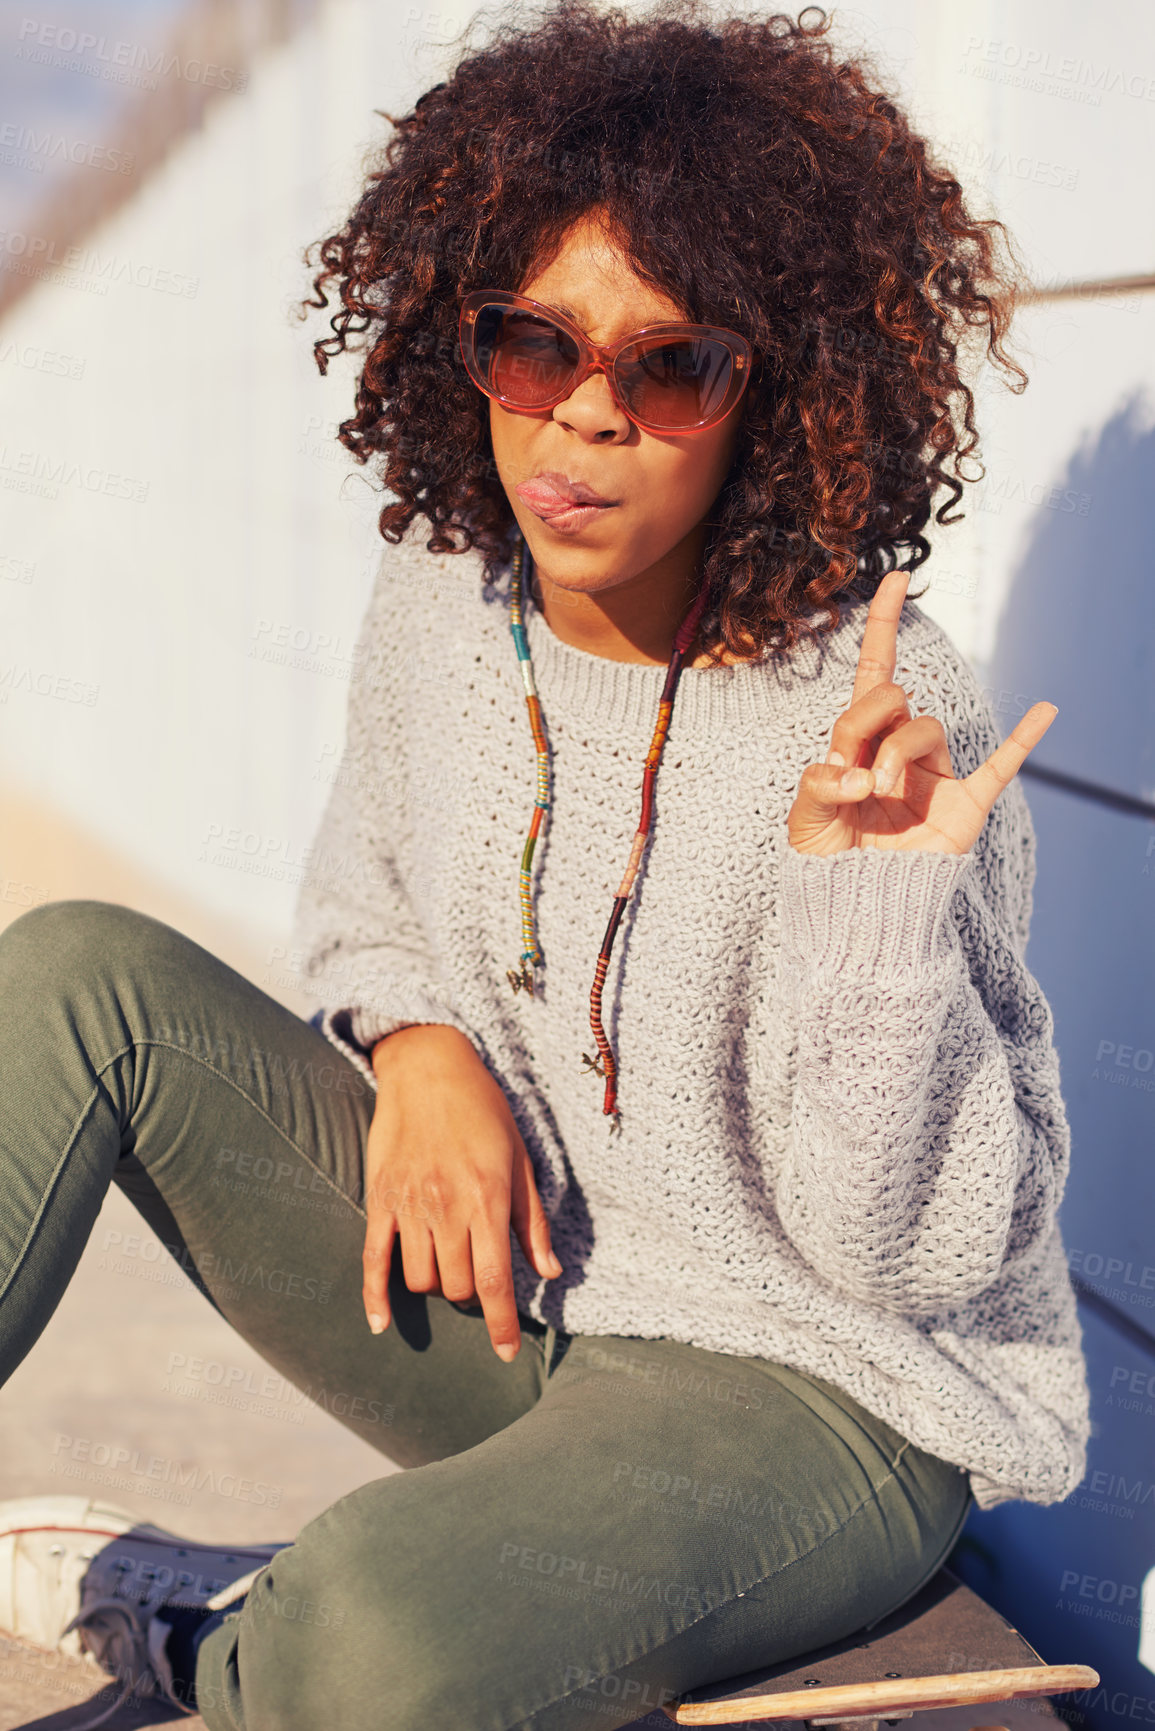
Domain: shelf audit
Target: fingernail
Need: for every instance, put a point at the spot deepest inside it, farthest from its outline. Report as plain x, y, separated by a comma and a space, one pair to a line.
508, 1353
833, 756
884, 781
554, 1263
853, 778
375, 1323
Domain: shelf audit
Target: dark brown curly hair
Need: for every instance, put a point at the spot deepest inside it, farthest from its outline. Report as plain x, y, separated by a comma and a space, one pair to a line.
759, 181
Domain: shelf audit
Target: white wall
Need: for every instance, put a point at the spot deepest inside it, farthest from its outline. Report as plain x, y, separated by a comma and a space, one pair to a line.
175, 501
249, 523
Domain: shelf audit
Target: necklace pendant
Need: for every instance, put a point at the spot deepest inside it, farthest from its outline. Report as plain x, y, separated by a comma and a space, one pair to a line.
521, 979
593, 1064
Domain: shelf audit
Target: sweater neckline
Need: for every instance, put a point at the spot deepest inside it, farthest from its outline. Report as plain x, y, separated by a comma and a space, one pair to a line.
609, 696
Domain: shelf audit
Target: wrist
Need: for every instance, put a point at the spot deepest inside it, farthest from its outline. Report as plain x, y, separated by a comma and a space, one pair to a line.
433, 1038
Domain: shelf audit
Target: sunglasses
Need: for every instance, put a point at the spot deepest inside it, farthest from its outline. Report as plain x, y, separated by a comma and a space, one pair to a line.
668, 378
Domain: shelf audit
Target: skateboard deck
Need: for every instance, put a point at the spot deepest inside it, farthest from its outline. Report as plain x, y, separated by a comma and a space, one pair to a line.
945, 1647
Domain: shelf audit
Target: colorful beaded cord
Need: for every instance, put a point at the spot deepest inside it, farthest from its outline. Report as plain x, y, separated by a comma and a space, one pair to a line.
604, 1063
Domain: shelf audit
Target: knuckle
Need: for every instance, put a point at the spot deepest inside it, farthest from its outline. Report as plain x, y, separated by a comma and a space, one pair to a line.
491, 1282
381, 1193
491, 1192
438, 1191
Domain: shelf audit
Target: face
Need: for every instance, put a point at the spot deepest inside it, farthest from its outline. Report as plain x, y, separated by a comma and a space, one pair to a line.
662, 485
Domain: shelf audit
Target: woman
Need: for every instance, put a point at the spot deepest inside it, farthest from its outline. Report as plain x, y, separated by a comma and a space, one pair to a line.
663, 315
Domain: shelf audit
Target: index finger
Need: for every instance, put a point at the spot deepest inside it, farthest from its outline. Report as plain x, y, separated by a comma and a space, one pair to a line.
876, 658
990, 778
493, 1283
376, 1258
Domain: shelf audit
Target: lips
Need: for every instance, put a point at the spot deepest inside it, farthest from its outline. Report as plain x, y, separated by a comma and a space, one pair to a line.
550, 494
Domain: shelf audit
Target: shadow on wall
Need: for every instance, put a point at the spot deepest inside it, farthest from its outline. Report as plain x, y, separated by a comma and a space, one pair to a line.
1078, 629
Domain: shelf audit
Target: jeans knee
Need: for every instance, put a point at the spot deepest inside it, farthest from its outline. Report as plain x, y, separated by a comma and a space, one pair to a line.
74, 932
351, 1626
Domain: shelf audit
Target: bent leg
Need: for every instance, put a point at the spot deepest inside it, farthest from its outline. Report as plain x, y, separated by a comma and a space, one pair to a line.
663, 1517
130, 1054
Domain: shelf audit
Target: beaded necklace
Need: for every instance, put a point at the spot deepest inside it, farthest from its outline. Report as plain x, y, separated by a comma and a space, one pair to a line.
604, 1063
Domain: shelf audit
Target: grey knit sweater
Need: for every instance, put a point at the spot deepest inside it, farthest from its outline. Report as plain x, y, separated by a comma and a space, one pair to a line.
843, 1141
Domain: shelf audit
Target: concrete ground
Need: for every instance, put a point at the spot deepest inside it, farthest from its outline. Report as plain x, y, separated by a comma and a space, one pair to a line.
97, 1385
98, 1382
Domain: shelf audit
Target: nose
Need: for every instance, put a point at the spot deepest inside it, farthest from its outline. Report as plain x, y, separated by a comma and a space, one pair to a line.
591, 408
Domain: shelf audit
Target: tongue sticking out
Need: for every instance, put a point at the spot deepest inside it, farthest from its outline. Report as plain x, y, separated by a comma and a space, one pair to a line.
543, 496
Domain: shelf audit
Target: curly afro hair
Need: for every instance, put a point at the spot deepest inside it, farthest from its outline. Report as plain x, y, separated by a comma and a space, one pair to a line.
763, 184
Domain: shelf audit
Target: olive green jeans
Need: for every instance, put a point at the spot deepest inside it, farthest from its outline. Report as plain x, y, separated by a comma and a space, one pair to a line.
580, 1535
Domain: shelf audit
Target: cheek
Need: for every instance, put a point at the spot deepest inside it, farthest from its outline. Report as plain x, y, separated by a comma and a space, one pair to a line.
691, 485
504, 443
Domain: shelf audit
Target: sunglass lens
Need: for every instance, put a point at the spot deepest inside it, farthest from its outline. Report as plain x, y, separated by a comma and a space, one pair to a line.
676, 382
526, 359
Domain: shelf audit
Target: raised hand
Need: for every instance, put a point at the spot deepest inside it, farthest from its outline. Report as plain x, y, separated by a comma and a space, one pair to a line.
887, 781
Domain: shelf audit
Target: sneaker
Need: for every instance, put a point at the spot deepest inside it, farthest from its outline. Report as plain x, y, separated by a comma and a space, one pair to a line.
84, 1577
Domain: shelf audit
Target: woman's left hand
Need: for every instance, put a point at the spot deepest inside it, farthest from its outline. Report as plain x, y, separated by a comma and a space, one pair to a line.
903, 791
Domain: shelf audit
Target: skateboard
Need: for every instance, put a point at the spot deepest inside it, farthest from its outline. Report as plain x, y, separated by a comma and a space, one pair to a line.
945, 1647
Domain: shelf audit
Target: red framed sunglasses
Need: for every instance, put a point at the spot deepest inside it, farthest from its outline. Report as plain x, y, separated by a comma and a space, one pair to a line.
668, 378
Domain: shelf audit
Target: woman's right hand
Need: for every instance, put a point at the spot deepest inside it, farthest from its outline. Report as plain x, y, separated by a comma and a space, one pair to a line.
446, 1168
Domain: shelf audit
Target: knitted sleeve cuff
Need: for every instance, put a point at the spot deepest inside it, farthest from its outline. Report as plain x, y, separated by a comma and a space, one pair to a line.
355, 1031
866, 912
368, 1026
